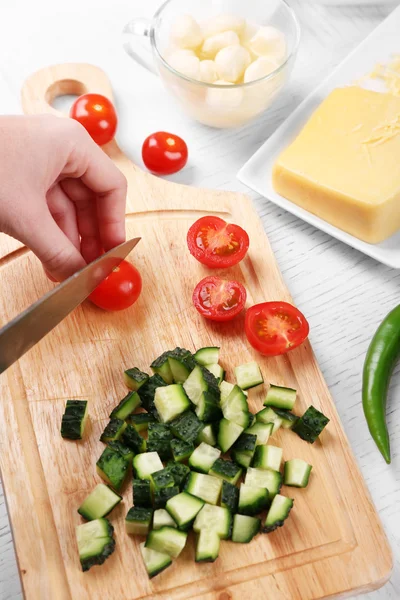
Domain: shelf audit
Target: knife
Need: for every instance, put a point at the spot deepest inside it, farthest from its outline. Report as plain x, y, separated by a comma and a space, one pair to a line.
28, 328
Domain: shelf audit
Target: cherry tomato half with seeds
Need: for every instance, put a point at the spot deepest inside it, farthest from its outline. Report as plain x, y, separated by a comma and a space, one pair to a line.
274, 328
164, 153
219, 299
216, 243
97, 114
119, 290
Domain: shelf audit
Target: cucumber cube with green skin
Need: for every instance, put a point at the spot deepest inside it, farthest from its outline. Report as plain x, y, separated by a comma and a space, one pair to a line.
145, 464
225, 389
245, 528
205, 487
268, 457
155, 562
126, 406
268, 415
207, 546
252, 500
297, 473
123, 450
243, 449
215, 518
160, 431
207, 435
262, 431
138, 520
235, 408
280, 397
147, 393
265, 478
113, 431
135, 378
207, 356
181, 363
95, 542
195, 385
242, 457
186, 427
183, 508
99, 503
179, 473
288, 419
162, 496
74, 419
208, 409
162, 479
203, 458
170, 402
248, 375
278, 513
142, 493
310, 425
113, 467
229, 496
162, 518
159, 440
131, 438
160, 366
216, 370
168, 540
227, 470
162, 447
141, 421
181, 450
228, 433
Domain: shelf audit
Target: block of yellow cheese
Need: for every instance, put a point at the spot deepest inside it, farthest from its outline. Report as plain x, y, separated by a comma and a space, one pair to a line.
344, 166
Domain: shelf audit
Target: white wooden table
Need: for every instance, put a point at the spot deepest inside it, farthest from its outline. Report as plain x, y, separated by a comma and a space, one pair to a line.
343, 293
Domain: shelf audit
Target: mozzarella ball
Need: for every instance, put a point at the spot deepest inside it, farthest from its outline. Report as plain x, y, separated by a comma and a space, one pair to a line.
224, 22
268, 41
261, 67
224, 99
249, 31
186, 62
186, 33
213, 44
208, 72
231, 62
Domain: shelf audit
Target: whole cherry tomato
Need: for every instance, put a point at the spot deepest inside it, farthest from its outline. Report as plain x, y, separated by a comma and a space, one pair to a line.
164, 153
120, 289
97, 114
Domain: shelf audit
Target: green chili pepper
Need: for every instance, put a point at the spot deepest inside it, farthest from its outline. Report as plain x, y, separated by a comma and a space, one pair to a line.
381, 358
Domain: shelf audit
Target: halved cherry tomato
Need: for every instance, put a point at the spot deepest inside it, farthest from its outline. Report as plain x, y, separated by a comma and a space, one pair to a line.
216, 243
120, 289
97, 114
274, 328
164, 153
219, 299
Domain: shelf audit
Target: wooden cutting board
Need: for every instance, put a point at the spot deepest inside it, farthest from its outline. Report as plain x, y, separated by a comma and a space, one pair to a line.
332, 543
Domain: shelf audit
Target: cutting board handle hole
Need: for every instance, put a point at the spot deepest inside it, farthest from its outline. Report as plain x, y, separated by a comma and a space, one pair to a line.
61, 94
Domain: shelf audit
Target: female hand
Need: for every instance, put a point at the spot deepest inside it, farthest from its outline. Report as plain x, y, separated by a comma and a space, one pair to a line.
60, 194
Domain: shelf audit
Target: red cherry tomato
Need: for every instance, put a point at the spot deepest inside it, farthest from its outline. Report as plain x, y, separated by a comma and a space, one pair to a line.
97, 114
120, 289
219, 299
274, 328
216, 243
164, 153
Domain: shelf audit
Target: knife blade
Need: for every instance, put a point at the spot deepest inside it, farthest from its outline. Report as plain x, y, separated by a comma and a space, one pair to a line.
29, 327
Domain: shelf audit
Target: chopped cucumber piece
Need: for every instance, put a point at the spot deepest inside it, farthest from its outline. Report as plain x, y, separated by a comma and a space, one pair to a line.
132, 439
126, 406
246, 442
228, 433
123, 450
207, 546
168, 540
99, 503
244, 528
146, 464
208, 409
74, 419
162, 518
160, 366
225, 389
297, 473
162, 496
227, 470
159, 440
278, 513
207, 435
142, 493
272, 480
268, 415
203, 458
207, 356
242, 457
281, 397
179, 473
95, 542
248, 375
195, 385
310, 425
141, 421
162, 479
170, 402
187, 427
288, 419
113, 431
217, 371
154, 561
262, 431
252, 419
181, 450
135, 378
235, 407
113, 467
229, 496
205, 487
268, 457
138, 520
147, 393
181, 363
215, 518
252, 500
183, 508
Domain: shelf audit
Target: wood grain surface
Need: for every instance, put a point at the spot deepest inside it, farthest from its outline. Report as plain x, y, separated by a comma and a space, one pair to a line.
343, 293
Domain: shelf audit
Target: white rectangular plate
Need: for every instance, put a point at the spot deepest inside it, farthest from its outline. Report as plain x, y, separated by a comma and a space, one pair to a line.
378, 47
